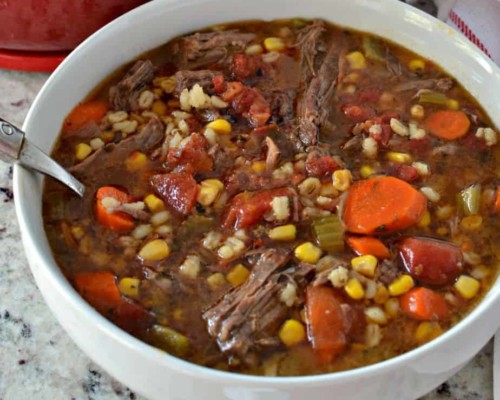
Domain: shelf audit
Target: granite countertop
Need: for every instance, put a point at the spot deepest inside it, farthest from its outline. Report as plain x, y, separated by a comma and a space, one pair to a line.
39, 361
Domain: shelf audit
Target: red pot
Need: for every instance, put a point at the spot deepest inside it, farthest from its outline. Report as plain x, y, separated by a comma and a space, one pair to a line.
40, 32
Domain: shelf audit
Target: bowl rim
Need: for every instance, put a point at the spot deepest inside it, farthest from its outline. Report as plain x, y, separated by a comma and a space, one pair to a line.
58, 280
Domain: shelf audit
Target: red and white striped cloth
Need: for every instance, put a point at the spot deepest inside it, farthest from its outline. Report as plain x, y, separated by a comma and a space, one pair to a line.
478, 20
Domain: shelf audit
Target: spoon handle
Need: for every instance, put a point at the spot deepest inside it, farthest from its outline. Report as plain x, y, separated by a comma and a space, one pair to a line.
15, 148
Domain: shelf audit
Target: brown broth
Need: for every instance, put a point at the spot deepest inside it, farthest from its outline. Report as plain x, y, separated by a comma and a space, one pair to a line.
167, 297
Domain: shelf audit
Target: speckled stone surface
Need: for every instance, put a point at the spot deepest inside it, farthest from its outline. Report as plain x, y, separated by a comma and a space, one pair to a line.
37, 358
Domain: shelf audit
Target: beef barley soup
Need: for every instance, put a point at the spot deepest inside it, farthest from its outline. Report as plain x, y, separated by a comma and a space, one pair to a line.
279, 198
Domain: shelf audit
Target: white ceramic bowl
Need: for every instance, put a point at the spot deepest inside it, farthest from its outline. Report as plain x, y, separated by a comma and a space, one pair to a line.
156, 374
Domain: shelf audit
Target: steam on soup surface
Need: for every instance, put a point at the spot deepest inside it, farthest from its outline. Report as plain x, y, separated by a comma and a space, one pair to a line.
279, 198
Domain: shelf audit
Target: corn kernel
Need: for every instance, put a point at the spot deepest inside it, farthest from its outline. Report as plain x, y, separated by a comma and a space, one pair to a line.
342, 179
416, 65
366, 171
426, 331
365, 265
425, 221
82, 151
354, 289
216, 280
155, 250
471, 223
258, 167
136, 161
391, 307
159, 108
308, 253
154, 203
284, 232
274, 44
77, 232
453, 104
382, 295
417, 111
353, 77
220, 126
401, 285
467, 286
292, 332
356, 60
107, 136
209, 190
129, 287
238, 275
400, 158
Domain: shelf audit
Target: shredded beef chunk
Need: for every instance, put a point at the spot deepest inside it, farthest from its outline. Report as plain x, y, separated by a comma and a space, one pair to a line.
95, 165
319, 79
442, 85
125, 94
187, 79
247, 318
202, 49
88, 131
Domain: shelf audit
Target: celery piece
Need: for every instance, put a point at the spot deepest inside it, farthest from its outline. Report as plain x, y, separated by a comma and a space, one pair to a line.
469, 200
432, 97
373, 49
329, 233
169, 340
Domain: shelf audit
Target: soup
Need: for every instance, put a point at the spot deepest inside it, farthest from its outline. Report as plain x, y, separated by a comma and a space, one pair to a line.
279, 198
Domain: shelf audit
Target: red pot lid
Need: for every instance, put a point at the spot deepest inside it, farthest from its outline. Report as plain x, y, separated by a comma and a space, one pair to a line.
31, 61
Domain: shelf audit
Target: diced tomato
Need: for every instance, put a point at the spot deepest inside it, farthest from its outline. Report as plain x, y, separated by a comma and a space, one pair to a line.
248, 102
473, 143
259, 112
369, 95
219, 84
245, 66
384, 136
243, 101
195, 153
132, 318
248, 208
386, 117
406, 173
322, 166
431, 261
358, 113
232, 90
178, 189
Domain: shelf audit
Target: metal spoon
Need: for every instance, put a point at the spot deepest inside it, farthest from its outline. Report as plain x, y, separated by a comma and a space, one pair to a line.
15, 148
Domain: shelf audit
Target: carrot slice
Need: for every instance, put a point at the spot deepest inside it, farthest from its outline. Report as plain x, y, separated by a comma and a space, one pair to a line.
368, 245
99, 289
327, 327
448, 124
83, 113
117, 221
382, 205
424, 305
496, 205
